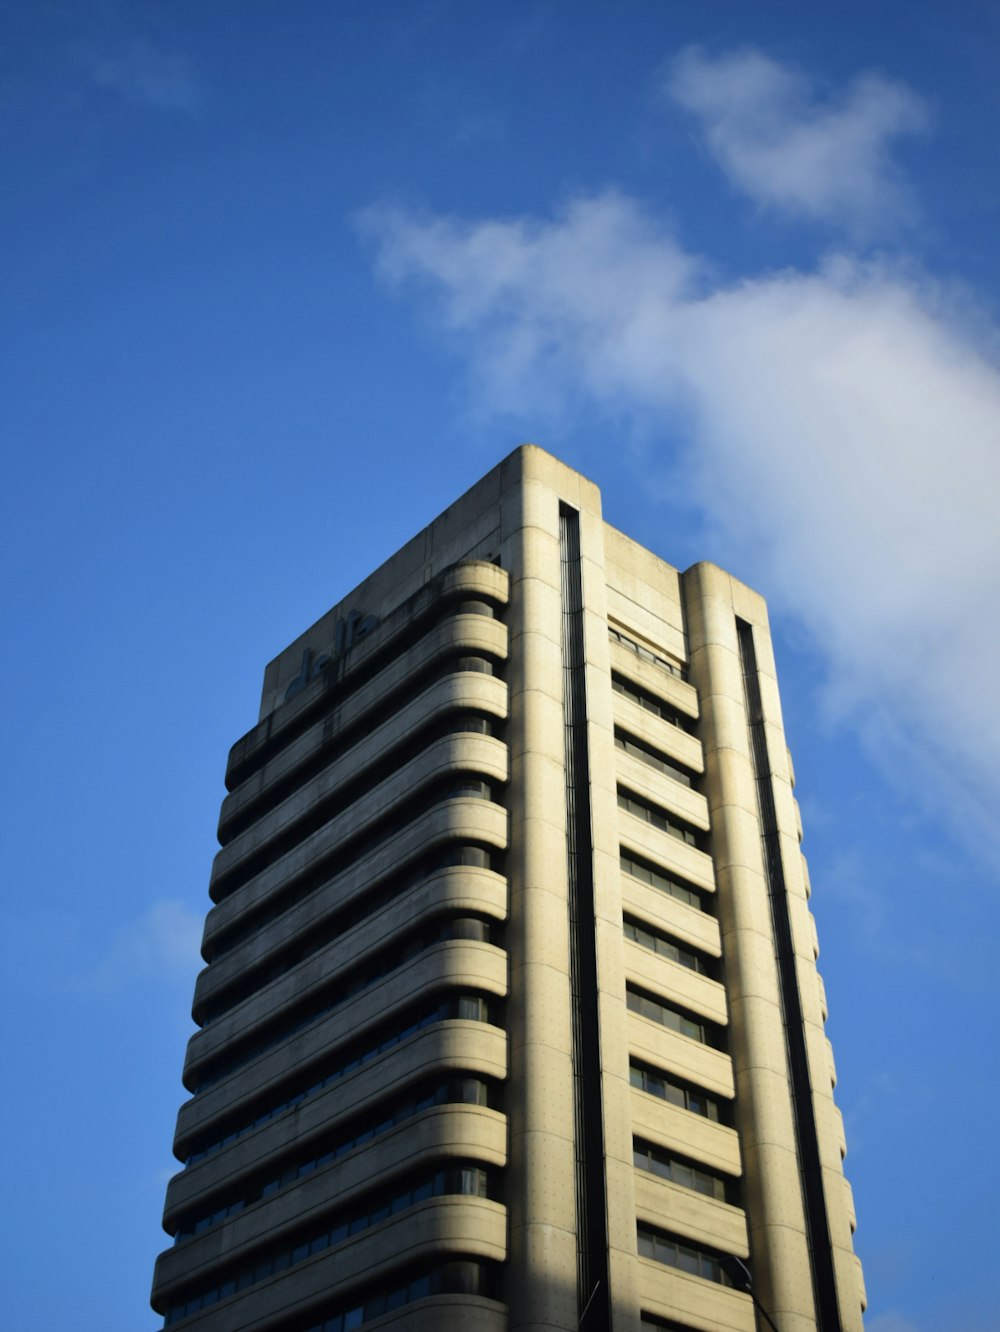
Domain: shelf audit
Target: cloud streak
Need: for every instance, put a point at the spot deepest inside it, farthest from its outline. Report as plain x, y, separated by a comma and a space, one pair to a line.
163, 943
891, 1322
143, 74
791, 151
844, 436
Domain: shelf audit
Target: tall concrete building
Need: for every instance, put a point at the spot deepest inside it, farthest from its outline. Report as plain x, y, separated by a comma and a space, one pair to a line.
511, 1017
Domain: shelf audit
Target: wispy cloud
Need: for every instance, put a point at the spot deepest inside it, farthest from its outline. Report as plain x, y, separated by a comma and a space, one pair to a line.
147, 76
473, 128
791, 150
844, 436
166, 937
877, 1101
848, 883
163, 942
890, 1322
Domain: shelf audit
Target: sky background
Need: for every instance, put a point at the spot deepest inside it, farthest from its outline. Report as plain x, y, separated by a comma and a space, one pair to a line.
279, 281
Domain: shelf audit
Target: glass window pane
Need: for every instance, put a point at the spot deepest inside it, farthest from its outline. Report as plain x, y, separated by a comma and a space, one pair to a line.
688, 1260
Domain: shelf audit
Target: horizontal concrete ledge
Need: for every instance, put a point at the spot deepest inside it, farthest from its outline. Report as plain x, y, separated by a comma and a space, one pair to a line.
435, 1231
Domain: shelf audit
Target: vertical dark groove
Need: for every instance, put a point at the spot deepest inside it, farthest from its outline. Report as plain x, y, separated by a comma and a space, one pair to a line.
591, 1203
807, 1141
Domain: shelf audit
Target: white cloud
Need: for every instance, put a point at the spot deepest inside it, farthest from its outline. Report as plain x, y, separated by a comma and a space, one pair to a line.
844, 429
143, 74
166, 937
788, 149
546, 298
163, 942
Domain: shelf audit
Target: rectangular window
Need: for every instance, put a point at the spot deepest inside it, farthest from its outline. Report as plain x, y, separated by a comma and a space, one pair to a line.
670, 664
651, 758
658, 879
664, 947
672, 1090
659, 818
659, 1162
681, 1255
473, 1008
665, 1015
649, 703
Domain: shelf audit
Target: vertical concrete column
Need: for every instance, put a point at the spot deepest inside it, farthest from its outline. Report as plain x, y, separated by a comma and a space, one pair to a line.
540, 1089
613, 1016
772, 1187
837, 1196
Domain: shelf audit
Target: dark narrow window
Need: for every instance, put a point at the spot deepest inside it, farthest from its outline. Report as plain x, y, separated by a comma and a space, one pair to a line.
810, 1164
686, 1257
592, 1231
659, 879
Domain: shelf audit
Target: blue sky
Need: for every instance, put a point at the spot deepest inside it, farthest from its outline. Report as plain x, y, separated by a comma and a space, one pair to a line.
280, 281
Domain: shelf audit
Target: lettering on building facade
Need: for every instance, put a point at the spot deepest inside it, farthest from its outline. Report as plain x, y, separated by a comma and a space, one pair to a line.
347, 633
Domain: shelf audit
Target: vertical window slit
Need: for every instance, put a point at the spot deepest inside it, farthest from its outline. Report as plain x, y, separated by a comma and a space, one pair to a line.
591, 1205
807, 1141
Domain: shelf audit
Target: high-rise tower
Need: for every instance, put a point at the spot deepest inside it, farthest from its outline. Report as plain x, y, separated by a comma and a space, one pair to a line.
511, 1016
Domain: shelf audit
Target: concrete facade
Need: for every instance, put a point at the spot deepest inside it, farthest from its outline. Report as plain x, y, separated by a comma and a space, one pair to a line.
511, 1016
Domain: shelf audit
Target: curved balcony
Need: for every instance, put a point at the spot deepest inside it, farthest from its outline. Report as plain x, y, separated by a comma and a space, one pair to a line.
302, 819
390, 642
468, 690
453, 890
326, 980
439, 1136
453, 966
440, 1228
455, 819
476, 578
454, 1047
